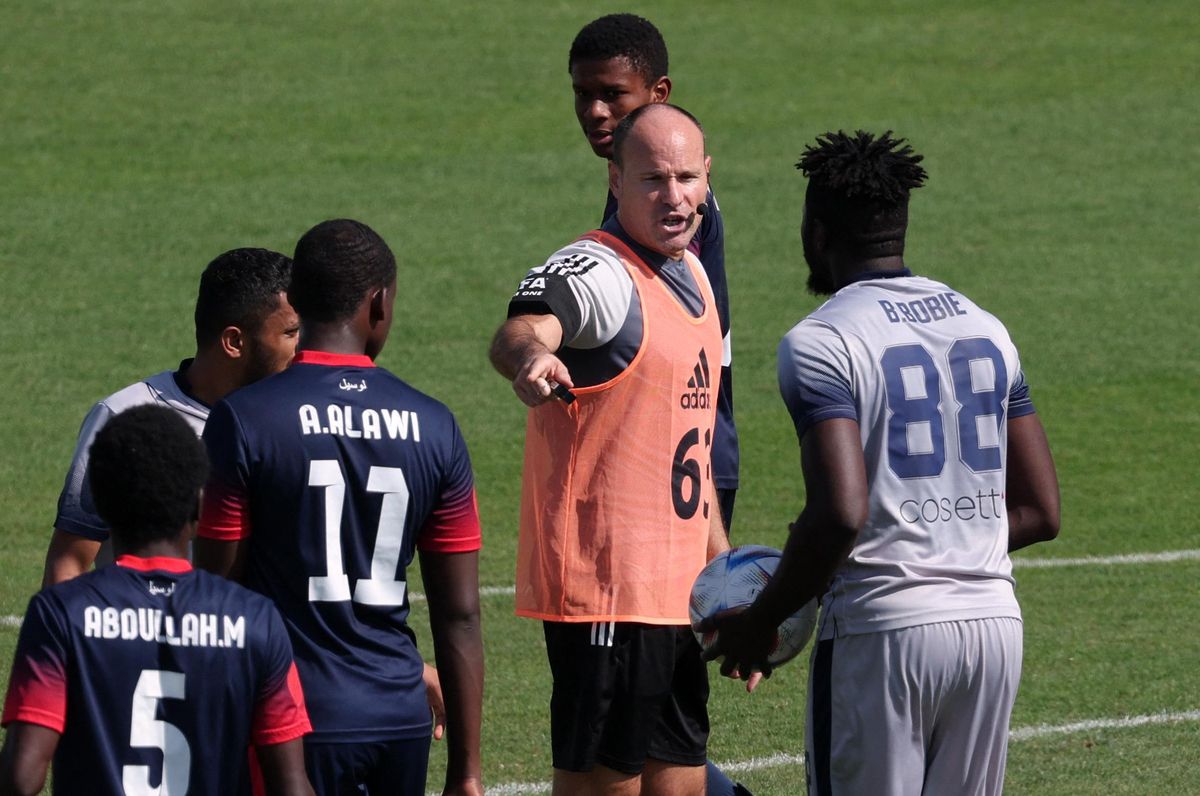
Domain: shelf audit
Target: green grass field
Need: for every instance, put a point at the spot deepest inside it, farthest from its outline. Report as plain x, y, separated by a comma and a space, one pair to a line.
140, 139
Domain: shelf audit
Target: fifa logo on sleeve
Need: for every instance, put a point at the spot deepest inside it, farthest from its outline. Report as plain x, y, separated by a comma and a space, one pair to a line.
696, 396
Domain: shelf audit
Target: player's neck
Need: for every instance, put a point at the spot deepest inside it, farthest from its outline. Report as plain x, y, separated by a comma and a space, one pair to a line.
333, 339
159, 548
209, 379
846, 273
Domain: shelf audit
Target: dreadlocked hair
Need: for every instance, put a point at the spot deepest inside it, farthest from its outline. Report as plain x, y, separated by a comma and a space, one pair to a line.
881, 170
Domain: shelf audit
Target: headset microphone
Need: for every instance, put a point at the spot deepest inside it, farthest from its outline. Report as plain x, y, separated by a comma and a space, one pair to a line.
701, 209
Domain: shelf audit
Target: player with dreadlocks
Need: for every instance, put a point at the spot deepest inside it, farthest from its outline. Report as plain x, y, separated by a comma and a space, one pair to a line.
924, 466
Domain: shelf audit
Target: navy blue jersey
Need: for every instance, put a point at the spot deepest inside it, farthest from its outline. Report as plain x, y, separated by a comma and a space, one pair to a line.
154, 674
709, 246
336, 472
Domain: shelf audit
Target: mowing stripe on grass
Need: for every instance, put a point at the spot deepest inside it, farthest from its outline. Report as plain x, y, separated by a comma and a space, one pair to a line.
1017, 735
1018, 563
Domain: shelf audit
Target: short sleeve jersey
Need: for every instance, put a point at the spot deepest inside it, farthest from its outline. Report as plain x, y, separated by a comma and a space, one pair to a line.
709, 246
587, 288
76, 512
336, 472
154, 673
931, 379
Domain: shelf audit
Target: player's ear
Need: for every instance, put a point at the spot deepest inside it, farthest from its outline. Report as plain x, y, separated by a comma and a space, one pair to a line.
379, 305
819, 234
232, 342
614, 178
660, 91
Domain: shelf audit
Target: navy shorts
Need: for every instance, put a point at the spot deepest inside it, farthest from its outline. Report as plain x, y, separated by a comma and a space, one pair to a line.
375, 768
625, 692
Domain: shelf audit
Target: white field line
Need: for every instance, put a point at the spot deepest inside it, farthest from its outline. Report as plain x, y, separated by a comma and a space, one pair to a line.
1035, 563
1018, 563
1104, 561
1014, 736
486, 591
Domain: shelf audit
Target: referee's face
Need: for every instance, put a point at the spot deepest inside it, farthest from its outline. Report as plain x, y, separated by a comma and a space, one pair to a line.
606, 92
662, 177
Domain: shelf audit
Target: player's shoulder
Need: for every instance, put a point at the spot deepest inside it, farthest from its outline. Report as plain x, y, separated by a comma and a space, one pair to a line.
228, 592
413, 398
162, 389
140, 392
580, 257
260, 396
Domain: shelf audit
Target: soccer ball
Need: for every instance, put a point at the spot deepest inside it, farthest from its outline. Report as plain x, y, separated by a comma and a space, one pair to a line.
734, 579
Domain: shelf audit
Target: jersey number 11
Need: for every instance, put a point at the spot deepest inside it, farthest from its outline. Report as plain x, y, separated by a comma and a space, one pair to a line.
383, 587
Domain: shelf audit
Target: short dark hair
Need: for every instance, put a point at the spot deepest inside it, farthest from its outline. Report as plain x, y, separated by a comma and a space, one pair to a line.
859, 185
240, 288
145, 471
337, 262
625, 126
622, 36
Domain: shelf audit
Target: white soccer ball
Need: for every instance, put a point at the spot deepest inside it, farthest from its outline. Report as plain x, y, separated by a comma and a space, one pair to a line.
734, 579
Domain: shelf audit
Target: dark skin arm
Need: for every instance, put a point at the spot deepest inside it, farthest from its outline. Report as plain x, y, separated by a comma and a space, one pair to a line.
1031, 484
283, 768
69, 556
25, 759
452, 585
835, 480
227, 559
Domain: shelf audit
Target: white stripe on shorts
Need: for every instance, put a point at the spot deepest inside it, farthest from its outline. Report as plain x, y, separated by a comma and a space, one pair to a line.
602, 633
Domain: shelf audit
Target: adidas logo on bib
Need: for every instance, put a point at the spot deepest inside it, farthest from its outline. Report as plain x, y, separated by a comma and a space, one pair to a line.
697, 394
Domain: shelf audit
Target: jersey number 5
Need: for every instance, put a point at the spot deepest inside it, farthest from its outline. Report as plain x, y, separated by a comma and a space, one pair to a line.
382, 588
148, 732
916, 434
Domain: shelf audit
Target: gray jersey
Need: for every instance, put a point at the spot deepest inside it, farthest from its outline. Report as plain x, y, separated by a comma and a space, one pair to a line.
76, 512
931, 380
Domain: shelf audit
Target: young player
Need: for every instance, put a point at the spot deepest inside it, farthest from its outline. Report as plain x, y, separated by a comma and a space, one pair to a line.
146, 676
327, 479
924, 466
245, 330
618, 63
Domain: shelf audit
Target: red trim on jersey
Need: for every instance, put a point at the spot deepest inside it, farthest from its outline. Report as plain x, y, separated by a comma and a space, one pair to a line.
309, 357
37, 694
281, 716
160, 563
453, 528
225, 515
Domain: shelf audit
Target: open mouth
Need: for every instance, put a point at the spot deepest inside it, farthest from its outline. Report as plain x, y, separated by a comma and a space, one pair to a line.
674, 222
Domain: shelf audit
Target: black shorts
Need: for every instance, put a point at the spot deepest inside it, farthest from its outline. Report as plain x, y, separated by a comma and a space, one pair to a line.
373, 767
624, 692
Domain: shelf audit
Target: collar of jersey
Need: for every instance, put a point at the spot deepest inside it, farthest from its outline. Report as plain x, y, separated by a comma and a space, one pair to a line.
308, 357
868, 275
161, 563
